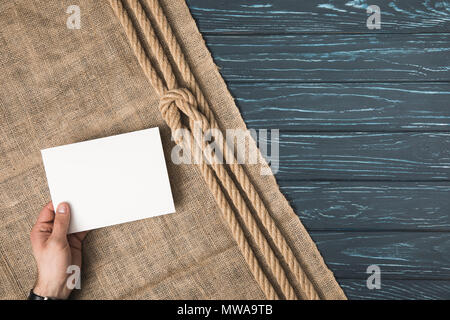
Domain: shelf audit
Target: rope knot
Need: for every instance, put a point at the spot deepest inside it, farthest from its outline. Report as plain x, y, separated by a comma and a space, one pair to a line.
181, 99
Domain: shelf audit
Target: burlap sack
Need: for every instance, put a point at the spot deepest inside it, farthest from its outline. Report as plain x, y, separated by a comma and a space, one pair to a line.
61, 86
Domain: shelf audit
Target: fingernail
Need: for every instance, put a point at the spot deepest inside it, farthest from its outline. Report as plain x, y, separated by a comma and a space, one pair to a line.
63, 208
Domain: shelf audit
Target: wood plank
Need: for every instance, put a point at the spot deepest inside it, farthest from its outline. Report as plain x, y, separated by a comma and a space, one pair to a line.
331, 58
284, 16
397, 290
351, 205
400, 255
370, 205
362, 156
344, 106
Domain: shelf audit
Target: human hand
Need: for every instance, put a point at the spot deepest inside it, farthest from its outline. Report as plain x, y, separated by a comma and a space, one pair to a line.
54, 251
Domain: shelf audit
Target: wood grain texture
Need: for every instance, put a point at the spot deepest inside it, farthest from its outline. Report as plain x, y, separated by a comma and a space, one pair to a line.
370, 206
397, 289
363, 156
404, 255
318, 16
365, 121
344, 106
333, 58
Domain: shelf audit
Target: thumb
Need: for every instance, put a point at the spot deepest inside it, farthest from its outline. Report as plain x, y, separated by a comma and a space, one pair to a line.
62, 221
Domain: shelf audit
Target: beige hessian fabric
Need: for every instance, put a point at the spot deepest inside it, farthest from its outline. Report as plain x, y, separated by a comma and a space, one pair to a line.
62, 86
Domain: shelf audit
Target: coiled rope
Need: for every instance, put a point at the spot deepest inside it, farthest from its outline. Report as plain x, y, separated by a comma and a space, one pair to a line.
188, 99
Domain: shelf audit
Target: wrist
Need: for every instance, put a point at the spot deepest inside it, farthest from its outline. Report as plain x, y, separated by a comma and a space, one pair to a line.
53, 291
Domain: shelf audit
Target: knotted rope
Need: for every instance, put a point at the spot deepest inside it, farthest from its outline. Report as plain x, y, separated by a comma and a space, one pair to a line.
176, 100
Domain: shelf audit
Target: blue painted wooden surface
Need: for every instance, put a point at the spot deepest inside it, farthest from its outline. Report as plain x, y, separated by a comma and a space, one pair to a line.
364, 119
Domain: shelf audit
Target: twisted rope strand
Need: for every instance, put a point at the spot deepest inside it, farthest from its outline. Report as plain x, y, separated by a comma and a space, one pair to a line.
207, 173
138, 50
154, 43
304, 284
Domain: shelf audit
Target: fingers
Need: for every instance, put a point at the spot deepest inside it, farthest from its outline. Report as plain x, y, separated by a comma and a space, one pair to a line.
81, 235
76, 239
43, 226
47, 214
61, 221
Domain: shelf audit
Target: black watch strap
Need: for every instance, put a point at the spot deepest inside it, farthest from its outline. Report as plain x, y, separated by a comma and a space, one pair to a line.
34, 296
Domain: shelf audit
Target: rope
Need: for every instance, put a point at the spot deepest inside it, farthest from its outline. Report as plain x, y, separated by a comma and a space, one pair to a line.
269, 224
207, 173
194, 105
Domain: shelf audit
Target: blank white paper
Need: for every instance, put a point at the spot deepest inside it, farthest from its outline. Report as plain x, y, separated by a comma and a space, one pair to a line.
110, 180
